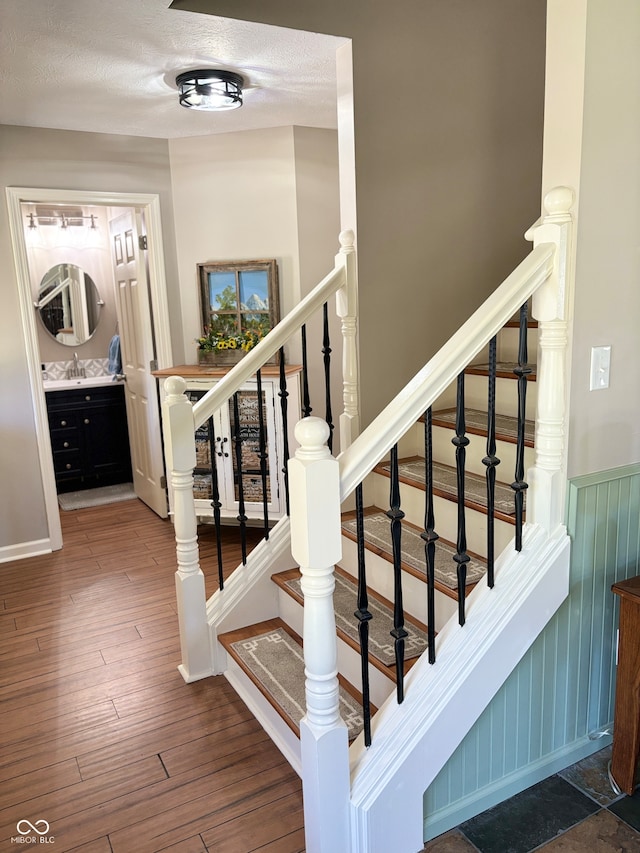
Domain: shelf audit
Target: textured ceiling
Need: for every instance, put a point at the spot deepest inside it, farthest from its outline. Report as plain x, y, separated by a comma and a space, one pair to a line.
110, 65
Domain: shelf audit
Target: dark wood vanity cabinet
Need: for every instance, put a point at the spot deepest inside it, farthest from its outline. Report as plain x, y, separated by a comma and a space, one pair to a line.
89, 437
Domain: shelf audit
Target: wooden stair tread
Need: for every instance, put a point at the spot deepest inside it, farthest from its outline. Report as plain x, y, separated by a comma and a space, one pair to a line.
504, 370
378, 540
515, 324
476, 424
411, 472
270, 654
381, 651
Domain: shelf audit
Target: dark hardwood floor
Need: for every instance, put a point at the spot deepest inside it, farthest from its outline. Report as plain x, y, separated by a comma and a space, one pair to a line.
99, 735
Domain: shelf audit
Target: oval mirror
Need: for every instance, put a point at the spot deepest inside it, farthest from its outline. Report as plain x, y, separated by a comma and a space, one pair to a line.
69, 304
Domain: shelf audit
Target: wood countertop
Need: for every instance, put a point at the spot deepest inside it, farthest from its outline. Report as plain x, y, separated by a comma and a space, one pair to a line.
204, 371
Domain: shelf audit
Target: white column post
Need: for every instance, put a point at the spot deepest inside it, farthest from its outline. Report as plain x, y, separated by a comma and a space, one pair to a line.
180, 450
314, 484
347, 310
551, 305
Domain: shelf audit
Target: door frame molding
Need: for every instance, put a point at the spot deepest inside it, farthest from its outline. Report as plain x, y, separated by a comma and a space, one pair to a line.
150, 205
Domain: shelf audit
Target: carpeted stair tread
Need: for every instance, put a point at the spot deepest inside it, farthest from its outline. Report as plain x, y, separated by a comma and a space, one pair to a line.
504, 370
345, 600
476, 424
411, 471
377, 535
270, 653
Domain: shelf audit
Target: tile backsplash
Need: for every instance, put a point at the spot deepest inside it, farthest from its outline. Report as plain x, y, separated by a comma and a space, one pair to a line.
92, 367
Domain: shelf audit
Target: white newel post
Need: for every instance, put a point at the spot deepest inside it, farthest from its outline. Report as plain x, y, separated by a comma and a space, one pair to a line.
347, 310
190, 590
547, 479
314, 485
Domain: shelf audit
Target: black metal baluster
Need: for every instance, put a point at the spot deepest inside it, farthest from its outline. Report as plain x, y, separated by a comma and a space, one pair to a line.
262, 454
237, 438
363, 616
430, 536
306, 401
284, 408
521, 371
460, 442
326, 351
491, 461
216, 503
396, 515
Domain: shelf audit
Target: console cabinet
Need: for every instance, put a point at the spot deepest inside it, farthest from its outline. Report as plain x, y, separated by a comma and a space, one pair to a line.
89, 437
216, 443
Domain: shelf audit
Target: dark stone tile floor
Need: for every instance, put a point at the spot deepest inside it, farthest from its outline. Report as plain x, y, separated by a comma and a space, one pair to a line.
575, 811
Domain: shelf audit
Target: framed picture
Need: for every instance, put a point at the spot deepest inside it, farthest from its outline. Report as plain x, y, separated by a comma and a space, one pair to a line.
239, 300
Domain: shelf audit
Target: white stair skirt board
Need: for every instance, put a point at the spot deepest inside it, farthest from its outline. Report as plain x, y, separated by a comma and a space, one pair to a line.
410, 745
280, 733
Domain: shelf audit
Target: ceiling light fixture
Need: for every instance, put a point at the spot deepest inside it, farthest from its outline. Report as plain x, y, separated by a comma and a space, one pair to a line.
209, 89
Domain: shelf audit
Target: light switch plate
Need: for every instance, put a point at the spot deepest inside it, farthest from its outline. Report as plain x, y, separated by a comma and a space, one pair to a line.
600, 367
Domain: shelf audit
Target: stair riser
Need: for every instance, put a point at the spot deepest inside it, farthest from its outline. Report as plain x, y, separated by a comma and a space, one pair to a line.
349, 665
508, 342
412, 501
475, 395
412, 444
444, 451
380, 578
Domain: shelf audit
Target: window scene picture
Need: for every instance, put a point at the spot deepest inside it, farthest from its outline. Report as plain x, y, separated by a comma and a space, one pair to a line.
239, 305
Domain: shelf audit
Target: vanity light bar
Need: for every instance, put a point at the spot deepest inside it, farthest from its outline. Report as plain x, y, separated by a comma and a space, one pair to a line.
61, 219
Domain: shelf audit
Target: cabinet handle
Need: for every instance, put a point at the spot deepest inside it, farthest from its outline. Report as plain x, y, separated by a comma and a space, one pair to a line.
87, 421
68, 466
63, 423
88, 397
65, 444
222, 441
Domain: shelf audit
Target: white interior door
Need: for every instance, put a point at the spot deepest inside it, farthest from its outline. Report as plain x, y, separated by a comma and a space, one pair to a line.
137, 347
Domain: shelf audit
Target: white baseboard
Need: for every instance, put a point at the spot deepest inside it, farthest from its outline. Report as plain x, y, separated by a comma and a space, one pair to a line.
25, 549
508, 786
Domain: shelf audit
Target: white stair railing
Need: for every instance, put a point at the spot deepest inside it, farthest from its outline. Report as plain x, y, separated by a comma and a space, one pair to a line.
314, 522
181, 418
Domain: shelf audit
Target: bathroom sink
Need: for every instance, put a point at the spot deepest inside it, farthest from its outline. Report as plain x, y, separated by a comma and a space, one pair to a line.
80, 382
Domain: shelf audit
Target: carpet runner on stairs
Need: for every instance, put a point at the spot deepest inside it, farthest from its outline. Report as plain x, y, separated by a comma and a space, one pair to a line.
270, 653
377, 536
412, 471
345, 600
476, 424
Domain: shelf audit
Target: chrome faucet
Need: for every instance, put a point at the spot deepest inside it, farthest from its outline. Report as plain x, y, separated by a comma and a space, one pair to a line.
76, 371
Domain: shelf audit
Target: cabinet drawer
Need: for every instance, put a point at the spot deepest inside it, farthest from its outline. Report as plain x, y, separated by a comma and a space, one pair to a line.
64, 439
62, 420
67, 463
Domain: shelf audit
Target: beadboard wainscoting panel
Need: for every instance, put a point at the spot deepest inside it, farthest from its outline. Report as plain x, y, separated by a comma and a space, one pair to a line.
557, 706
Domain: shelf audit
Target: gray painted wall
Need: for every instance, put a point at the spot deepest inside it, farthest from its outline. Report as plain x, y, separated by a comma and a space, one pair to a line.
31, 157
448, 100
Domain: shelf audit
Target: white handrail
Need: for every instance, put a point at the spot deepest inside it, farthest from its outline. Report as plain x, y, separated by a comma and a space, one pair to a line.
277, 337
429, 383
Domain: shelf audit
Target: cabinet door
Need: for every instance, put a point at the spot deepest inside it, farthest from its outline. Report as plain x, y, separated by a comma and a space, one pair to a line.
106, 440
243, 476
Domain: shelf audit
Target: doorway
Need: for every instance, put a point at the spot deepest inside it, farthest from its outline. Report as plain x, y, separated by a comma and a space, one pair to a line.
147, 210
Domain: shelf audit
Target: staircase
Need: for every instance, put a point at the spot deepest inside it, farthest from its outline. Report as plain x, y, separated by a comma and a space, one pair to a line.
271, 681
287, 629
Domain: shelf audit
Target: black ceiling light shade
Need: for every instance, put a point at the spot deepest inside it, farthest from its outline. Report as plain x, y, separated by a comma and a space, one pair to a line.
210, 89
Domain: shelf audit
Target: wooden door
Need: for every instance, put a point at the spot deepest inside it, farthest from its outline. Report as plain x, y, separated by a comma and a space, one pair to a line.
136, 341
